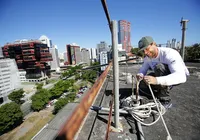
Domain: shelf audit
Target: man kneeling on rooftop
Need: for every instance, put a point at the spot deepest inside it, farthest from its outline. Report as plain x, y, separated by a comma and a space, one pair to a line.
167, 65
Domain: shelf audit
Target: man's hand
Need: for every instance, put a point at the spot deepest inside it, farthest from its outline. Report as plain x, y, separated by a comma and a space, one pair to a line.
150, 80
139, 76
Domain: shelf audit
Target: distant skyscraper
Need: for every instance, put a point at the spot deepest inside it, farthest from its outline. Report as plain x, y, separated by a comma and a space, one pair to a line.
73, 54
93, 53
44, 39
55, 64
85, 55
124, 34
173, 43
102, 47
168, 44
178, 45
103, 57
89, 49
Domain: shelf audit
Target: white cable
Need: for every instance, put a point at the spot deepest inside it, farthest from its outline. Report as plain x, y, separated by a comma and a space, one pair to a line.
160, 114
141, 112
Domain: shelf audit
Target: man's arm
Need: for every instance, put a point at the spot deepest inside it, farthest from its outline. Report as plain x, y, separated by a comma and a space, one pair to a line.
177, 69
145, 66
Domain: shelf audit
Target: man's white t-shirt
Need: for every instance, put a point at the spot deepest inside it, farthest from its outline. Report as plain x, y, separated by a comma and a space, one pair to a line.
175, 64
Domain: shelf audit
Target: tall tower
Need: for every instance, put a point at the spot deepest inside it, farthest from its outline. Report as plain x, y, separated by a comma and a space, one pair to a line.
102, 46
73, 54
55, 64
124, 34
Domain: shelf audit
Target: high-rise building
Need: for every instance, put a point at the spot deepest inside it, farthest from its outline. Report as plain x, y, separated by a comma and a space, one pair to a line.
168, 44
93, 52
102, 46
103, 57
32, 56
89, 50
55, 64
45, 40
85, 55
178, 45
73, 54
124, 34
173, 44
9, 78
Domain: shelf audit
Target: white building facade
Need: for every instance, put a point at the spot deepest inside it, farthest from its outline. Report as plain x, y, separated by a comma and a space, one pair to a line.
103, 56
93, 53
9, 78
85, 54
55, 64
22, 76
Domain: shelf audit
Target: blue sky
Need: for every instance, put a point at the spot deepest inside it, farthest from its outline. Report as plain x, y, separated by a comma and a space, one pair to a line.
84, 21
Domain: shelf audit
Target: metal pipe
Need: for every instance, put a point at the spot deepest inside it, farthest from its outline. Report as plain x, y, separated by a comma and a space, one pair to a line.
106, 109
141, 133
107, 13
115, 71
96, 66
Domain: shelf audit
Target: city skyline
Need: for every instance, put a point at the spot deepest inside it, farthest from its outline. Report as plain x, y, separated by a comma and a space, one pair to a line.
87, 26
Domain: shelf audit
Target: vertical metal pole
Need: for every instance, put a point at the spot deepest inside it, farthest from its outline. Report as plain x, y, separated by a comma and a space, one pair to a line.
183, 23
115, 71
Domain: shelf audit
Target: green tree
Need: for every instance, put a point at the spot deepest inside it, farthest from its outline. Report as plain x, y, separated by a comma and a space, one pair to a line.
73, 89
16, 96
89, 75
137, 52
56, 92
59, 104
192, 52
77, 76
39, 86
96, 64
60, 87
10, 116
40, 99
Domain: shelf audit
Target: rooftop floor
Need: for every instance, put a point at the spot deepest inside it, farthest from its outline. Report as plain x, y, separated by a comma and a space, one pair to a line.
182, 119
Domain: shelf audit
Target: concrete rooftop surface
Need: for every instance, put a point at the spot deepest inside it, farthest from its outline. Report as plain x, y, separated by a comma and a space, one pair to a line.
182, 119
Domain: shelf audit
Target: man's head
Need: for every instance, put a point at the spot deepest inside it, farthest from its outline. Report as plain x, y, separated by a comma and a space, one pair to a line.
148, 45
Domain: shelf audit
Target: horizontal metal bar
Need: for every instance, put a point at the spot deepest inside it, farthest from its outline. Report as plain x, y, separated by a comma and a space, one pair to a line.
93, 67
